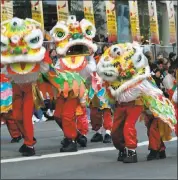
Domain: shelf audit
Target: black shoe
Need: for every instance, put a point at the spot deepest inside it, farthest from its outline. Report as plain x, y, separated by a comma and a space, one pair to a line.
65, 142
97, 138
107, 138
22, 148
122, 155
71, 147
162, 154
131, 157
29, 151
153, 155
82, 140
16, 140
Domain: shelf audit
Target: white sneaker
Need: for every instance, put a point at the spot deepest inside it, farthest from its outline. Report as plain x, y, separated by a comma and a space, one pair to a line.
35, 119
2, 122
43, 119
50, 113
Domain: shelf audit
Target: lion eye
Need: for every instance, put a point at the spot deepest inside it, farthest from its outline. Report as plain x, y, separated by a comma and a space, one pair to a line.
35, 40
88, 32
60, 34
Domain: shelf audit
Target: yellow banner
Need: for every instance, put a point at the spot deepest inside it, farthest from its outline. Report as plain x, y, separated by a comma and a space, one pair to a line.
111, 20
171, 18
37, 11
88, 11
153, 22
62, 10
6, 10
134, 20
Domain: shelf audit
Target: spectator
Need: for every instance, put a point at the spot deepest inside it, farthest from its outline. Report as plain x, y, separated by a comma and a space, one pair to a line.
172, 57
53, 56
159, 81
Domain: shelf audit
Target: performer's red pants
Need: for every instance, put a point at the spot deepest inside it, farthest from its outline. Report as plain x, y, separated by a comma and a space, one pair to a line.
100, 118
23, 107
123, 131
65, 114
12, 127
82, 122
155, 140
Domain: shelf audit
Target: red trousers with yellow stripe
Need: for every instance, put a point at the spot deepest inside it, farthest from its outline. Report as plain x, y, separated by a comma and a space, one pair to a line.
82, 122
155, 141
23, 107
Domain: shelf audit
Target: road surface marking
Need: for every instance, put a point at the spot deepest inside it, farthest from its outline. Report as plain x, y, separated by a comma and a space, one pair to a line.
144, 143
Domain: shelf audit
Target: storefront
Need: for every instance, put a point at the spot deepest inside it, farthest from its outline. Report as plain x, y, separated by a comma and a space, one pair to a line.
22, 9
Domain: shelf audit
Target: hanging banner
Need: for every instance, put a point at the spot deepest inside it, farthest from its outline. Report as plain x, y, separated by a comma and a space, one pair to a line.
6, 10
153, 22
171, 18
62, 10
37, 11
88, 11
111, 20
134, 20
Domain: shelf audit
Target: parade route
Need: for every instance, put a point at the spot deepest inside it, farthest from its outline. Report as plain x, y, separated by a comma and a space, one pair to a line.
97, 161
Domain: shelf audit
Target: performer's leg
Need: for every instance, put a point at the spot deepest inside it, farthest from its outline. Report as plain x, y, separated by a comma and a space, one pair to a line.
96, 123
107, 124
156, 145
82, 122
28, 107
69, 124
82, 126
13, 131
17, 114
130, 133
58, 110
117, 131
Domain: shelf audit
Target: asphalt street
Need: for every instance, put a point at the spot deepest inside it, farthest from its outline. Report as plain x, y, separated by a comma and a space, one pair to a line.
97, 161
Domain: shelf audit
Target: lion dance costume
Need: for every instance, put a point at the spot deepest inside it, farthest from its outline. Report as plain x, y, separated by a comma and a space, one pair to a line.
69, 76
25, 58
126, 69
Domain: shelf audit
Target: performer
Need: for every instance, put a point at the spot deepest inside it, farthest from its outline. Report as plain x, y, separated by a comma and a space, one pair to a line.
100, 110
6, 107
24, 57
126, 69
71, 38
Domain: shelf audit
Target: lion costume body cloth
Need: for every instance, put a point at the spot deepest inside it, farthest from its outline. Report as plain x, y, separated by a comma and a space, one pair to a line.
127, 72
70, 73
24, 58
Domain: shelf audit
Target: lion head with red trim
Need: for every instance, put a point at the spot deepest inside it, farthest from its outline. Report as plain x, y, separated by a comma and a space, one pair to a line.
21, 45
74, 41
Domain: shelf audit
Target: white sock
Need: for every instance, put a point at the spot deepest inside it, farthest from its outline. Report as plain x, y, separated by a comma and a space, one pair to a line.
108, 132
131, 149
99, 131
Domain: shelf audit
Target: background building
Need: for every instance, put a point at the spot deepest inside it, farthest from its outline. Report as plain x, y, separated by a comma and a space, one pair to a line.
22, 9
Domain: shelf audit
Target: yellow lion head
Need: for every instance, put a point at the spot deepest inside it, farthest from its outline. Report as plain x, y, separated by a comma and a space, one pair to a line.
21, 44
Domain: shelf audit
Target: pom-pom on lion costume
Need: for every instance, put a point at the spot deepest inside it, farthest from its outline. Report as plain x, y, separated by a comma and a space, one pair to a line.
126, 69
25, 58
